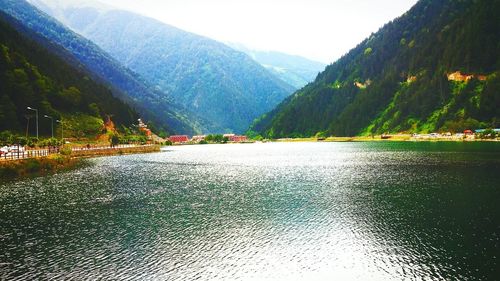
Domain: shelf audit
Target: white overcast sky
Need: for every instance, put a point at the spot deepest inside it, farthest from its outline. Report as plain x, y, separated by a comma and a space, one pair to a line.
322, 30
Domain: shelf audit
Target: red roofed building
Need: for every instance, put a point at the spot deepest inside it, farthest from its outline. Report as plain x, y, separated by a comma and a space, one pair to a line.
238, 138
179, 139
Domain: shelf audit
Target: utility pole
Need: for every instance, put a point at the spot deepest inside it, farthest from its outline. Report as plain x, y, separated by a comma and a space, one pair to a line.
51, 123
36, 110
27, 124
62, 129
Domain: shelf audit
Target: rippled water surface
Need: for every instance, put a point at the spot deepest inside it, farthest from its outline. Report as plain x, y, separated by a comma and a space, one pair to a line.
276, 211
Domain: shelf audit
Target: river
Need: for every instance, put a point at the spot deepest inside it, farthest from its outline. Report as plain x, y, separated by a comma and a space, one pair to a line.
271, 211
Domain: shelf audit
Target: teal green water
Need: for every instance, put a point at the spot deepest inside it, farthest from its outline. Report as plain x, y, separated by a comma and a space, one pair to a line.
275, 211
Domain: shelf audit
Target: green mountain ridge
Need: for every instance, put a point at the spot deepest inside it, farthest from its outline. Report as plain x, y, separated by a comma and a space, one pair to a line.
125, 84
397, 79
208, 78
30, 75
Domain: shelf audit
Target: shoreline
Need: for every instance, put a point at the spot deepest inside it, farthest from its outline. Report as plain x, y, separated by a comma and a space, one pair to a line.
91, 153
394, 138
43, 166
36, 167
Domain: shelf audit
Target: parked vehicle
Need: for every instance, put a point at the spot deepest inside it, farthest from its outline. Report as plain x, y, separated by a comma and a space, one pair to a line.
14, 149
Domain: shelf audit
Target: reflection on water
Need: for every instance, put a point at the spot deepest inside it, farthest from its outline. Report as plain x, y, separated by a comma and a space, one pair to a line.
278, 211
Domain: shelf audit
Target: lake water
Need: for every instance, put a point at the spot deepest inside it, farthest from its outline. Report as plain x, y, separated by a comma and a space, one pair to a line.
274, 211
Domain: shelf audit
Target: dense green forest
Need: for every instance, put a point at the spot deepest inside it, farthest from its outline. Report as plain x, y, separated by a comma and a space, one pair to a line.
31, 76
80, 52
397, 80
224, 86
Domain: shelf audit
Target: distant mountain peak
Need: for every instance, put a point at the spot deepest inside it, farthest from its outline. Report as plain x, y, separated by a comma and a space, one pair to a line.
293, 69
208, 78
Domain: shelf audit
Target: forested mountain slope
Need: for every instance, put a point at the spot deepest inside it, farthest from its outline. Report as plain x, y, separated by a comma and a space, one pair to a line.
76, 50
32, 76
221, 84
404, 78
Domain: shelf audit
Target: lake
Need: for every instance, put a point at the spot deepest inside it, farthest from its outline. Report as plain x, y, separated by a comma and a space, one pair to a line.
271, 211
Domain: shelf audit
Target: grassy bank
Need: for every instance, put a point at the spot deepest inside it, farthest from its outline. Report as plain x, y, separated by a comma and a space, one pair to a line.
10, 170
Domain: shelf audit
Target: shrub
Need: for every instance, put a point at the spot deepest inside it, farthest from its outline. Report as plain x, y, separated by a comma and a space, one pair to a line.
114, 139
65, 151
33, 165
59, 159
488, 134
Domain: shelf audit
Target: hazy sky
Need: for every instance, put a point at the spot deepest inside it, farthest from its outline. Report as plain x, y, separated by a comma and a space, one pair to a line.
318, 29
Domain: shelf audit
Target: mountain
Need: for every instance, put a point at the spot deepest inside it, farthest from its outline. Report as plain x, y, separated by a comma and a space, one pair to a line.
76, 50
221, 84
294, 70
30, 75
434, 68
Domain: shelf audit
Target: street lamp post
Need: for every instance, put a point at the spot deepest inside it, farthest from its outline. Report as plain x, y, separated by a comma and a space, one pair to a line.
51, 123
27, 124
36, 110
62, 129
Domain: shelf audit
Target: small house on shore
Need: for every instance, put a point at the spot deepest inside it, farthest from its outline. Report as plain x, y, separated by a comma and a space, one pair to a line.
235, 138
198, 138
179, 139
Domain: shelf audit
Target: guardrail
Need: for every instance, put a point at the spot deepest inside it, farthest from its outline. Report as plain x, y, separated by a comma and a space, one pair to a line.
20, 155
106, 147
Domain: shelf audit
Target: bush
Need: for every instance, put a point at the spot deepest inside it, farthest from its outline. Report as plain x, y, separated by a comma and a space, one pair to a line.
33, 165
488, 134
132, 139
114, 139
258, 138
4, 138
65, 151
320, 135
216, 138
31, 142
59, 159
